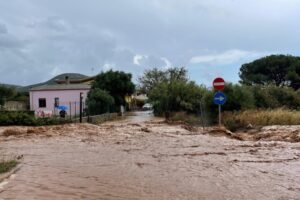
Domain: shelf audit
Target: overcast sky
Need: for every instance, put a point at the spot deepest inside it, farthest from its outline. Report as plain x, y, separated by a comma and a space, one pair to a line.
43, 38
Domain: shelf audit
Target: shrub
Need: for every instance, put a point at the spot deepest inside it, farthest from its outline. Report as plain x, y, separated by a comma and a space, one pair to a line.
275, 97
239, 97
25, 119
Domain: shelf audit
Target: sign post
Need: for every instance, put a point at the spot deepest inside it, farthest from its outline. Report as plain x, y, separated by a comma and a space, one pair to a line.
219, 97
220, 115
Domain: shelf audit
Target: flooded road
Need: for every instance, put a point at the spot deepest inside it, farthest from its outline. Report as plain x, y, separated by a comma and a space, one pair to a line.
147, 159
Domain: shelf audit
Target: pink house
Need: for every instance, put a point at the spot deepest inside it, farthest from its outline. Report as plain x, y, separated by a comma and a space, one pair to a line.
47, 100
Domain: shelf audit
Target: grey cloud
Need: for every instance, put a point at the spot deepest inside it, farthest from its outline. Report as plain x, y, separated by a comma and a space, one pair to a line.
3, 29
53, 23
56, 23
151, 61
123, 59
50, 37
80, 48
8, 41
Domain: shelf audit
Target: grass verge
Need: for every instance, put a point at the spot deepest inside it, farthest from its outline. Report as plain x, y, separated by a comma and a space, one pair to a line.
6, 166
183, 117
241, 119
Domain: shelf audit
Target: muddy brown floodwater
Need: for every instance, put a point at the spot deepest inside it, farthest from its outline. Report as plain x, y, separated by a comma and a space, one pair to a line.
144, 158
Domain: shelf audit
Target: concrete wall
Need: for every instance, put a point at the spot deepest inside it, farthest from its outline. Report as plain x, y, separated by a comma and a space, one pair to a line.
69, 98
97, 119
16, 106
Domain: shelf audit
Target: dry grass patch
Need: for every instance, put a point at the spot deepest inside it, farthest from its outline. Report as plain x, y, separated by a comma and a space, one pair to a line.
183, 117
243, 119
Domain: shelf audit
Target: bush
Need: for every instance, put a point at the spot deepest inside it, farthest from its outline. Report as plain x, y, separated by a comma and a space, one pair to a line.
239, 97
275, 97
25, 119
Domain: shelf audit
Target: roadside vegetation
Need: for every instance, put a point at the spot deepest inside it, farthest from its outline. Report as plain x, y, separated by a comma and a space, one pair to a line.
6, 166
253, 118
267, 94
24, 118
11, 94
186, 118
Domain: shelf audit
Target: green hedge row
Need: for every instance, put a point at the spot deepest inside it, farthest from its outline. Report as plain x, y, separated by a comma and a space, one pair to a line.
26, 119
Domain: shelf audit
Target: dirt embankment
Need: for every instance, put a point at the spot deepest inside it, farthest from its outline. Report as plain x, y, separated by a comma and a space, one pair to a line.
267, 133
48, 131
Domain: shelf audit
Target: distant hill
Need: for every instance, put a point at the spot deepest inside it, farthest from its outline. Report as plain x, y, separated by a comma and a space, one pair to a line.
10, 86
52, 81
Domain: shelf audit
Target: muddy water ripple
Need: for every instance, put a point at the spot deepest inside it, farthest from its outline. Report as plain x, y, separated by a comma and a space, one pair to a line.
149, 160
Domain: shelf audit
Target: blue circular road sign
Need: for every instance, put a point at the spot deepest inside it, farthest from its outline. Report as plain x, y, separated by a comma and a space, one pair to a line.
220, 98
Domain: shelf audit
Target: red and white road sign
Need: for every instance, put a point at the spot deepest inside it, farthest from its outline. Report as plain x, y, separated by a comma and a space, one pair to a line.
219, 83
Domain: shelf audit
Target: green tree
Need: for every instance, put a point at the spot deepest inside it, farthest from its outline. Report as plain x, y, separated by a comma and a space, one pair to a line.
99, 101
117, 84
177, 74
281, 70
170, 91
151, 78
293, 75
176, 96
6, 93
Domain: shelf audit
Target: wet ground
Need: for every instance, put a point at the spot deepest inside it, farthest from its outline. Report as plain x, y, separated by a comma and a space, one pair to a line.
143, 158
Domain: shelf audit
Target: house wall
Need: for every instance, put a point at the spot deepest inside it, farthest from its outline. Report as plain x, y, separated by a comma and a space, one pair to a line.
69, 98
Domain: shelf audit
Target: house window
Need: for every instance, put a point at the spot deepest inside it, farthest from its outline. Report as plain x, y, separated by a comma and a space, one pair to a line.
56, 102
42, 103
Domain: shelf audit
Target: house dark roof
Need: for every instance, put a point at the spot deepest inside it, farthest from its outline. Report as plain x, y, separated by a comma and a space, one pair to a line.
76, 81
55, 80
61, 87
